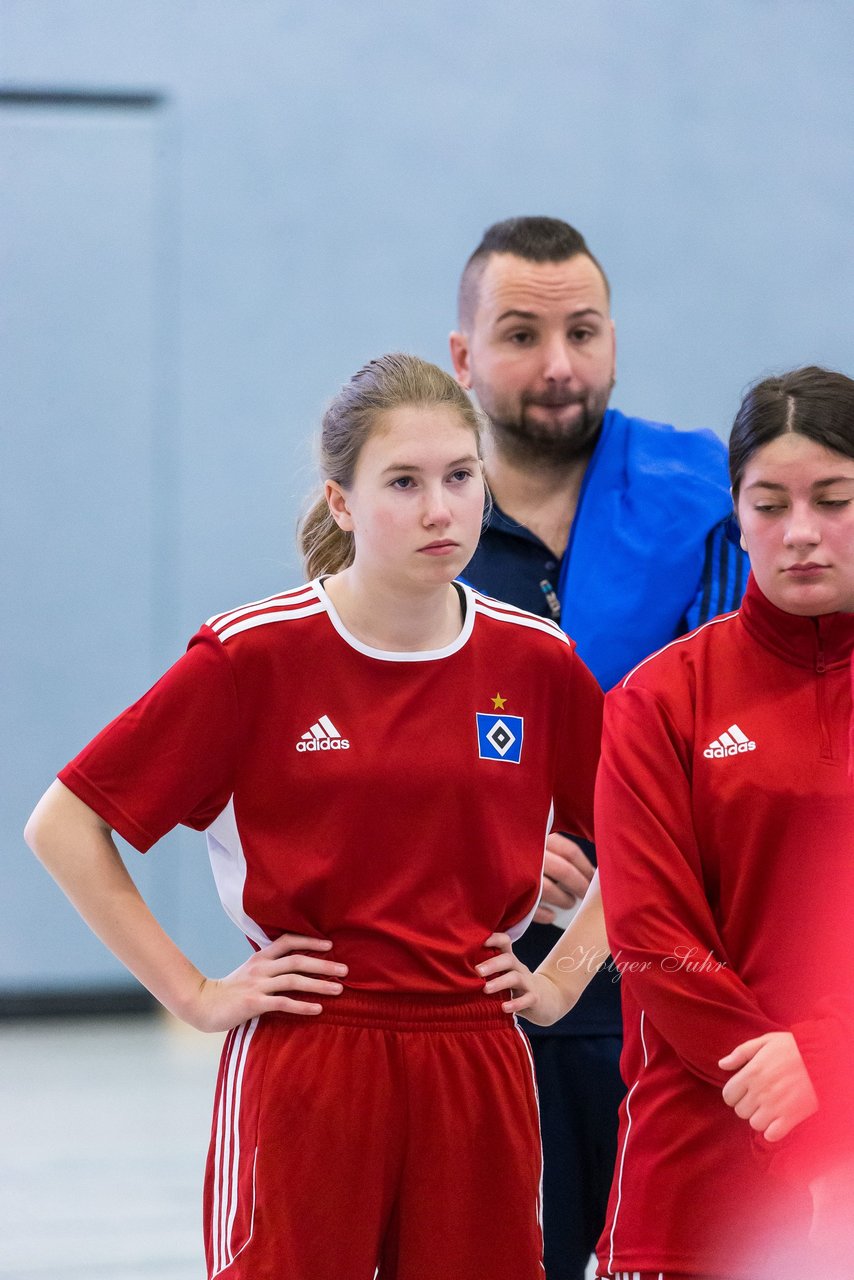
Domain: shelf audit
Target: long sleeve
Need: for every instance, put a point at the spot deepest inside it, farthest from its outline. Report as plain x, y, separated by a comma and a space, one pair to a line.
661, 927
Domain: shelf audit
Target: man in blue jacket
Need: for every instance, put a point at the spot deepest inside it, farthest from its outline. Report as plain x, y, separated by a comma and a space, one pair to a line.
619, 529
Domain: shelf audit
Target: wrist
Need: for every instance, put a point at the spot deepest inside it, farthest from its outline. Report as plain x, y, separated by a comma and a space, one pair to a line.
188, 999
565, 983
553, 999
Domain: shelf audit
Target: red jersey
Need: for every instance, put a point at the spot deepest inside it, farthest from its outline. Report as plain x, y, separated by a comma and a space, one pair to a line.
396, 803
724, 819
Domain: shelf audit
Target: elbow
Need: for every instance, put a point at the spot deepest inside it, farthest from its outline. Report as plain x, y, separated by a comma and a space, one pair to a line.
59, 819
34, 828
44, 819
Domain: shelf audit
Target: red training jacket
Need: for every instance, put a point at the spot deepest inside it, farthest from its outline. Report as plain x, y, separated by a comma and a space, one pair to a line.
724, 820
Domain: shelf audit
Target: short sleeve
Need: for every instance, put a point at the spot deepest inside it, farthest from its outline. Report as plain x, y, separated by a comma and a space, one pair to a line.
169, 758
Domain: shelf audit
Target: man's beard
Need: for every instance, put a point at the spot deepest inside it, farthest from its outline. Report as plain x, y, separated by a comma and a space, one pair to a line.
527, 438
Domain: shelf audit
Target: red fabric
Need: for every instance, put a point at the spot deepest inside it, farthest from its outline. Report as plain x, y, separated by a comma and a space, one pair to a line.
384, 1133
404, 846
728, 883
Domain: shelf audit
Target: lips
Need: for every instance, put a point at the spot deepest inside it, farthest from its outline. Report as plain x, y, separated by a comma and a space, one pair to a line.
556, 402
441, 547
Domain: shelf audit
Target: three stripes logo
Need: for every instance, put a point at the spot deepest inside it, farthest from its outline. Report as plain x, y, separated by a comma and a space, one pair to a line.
322, 736
732, 742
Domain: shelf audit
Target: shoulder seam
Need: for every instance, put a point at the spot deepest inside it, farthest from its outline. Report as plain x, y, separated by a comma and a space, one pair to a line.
501, 611
283, 599
725, 617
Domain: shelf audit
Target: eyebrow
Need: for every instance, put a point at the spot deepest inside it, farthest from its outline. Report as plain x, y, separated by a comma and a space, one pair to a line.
818, 484
517, 313
411, 466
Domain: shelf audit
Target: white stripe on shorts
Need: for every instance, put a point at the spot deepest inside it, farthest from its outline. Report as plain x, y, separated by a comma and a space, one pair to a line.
227, 1148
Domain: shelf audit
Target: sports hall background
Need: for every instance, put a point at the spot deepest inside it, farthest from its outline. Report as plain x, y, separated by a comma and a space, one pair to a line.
211, 213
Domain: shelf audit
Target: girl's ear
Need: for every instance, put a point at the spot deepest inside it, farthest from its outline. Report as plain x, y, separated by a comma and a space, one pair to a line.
337, 501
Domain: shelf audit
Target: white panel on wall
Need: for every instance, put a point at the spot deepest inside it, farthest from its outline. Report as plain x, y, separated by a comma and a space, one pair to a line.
80, 455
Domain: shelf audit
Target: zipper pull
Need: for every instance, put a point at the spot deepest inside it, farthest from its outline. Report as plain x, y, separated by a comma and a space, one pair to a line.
551, 599
819, 661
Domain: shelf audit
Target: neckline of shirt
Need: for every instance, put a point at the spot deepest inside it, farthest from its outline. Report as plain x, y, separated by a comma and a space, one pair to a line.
798, 639
408, 655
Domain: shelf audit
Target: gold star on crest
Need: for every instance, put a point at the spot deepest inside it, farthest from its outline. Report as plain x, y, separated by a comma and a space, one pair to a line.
498, 702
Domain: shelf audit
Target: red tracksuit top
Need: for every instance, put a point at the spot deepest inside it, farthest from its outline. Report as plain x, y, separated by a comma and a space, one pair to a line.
724, 817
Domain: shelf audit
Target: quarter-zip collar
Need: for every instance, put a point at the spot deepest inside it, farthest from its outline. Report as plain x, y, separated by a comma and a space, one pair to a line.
820, 644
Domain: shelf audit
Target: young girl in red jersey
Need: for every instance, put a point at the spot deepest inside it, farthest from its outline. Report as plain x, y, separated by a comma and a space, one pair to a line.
376, 758
725, 832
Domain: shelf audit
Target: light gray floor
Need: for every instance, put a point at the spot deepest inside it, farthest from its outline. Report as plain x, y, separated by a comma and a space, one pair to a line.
104, 1128
103, 1133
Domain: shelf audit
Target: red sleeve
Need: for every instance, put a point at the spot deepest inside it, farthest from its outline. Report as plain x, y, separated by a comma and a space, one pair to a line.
826, 1139
168, 759
578, 754
656, 911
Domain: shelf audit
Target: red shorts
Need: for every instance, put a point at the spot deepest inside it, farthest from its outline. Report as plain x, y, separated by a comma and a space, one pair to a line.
391, 1136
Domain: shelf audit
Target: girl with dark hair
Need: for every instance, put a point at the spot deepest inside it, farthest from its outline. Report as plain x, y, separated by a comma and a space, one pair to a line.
377, 758
725, 832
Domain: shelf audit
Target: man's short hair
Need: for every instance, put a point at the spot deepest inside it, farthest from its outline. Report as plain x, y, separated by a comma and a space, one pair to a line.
535, 239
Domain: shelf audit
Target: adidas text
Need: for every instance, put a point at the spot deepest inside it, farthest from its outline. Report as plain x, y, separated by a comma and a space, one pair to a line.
715, 752
322, 736
324, 744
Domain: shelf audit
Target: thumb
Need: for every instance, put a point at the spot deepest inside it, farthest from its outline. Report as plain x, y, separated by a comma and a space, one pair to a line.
499, 941
740, 1055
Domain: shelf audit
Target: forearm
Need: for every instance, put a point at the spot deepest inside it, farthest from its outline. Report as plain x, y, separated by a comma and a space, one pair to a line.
580, 951
678, 975
78, 851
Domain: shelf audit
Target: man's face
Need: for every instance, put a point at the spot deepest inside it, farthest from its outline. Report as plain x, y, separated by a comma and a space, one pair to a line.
540, 353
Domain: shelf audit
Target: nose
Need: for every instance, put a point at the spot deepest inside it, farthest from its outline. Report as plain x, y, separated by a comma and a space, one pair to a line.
436, 510
801, 528
557, 361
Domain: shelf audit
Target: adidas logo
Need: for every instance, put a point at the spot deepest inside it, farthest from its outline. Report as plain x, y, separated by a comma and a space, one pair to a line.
730, 743
322, 736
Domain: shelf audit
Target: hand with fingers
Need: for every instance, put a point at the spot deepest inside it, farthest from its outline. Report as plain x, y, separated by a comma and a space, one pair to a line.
567, 872
270, 981
533, 995
770, 1088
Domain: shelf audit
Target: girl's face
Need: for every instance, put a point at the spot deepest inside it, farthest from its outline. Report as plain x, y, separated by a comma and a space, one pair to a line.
415, 506
796, 511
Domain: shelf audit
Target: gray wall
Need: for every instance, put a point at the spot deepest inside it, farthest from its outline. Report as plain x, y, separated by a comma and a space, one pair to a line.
253, 199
